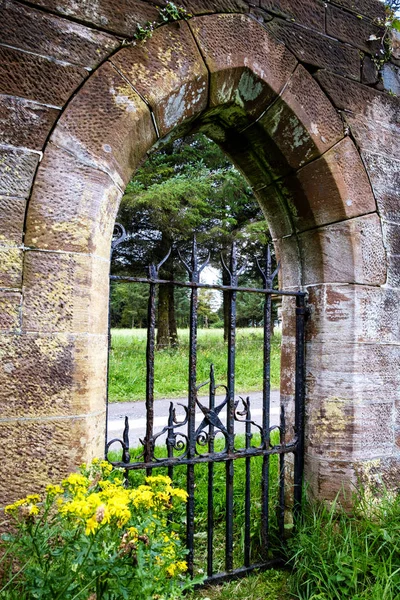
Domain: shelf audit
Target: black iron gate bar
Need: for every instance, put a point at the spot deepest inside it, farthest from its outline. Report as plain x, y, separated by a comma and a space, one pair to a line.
186, 445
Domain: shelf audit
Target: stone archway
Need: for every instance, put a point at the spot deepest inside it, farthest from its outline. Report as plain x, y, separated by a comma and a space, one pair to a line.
228, 76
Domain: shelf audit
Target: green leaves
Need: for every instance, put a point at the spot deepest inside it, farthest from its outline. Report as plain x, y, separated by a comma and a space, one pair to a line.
396, 24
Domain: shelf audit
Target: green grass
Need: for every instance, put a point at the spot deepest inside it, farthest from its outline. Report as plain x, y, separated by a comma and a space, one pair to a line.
128, 363
270, 585
340, 556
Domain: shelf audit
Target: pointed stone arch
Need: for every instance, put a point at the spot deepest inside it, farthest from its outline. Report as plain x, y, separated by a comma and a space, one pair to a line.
228, 76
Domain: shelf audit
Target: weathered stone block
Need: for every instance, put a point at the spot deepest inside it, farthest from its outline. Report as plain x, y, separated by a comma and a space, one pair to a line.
37, 78
391, 237
25, 123
40, 460
52, 36
196, 7
370, 8
288, 361
370, 73
288, 253
12, 215
378, 474
333, 188
360, 99
364, 130
274, 207
117, 135
302, 122
375, 475
310, 13
121, 18
17, 169
72, 207
353, 30
351, 251
351, 313
318, 50
176, 79
343, 429
72, 375
391, 78
10, 305
248, 81
10, 267
393, 271
384, 174
352, 373
65, 293
324, 477
299, 126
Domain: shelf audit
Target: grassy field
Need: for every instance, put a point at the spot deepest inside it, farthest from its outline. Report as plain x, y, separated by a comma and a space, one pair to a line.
128, 363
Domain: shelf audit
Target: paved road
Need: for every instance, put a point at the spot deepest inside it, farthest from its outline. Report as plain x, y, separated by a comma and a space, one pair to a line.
136, 411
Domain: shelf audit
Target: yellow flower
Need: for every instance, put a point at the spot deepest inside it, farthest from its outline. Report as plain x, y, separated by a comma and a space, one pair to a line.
76, 481
172, 569
91, 525
164, 498
154, 480
33, 509
106, 467
179, 493
54, 490
32, 498
142, 497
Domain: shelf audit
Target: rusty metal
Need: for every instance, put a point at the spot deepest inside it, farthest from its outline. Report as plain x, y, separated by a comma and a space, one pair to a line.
197, 445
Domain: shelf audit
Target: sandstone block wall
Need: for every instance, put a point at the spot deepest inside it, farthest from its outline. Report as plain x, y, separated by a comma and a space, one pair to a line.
291, 92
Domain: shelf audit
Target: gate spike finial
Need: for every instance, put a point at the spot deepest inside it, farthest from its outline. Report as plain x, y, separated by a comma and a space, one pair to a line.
120, 236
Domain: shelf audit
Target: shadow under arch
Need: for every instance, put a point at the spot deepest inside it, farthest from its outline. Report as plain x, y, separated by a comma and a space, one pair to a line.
227, 76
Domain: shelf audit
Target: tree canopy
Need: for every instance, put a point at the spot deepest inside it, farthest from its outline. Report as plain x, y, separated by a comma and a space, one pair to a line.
188, 187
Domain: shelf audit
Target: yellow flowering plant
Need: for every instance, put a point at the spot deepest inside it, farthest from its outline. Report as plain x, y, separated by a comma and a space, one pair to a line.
93, 538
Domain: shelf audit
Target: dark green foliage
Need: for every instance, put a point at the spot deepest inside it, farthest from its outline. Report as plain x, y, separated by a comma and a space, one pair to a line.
189, 187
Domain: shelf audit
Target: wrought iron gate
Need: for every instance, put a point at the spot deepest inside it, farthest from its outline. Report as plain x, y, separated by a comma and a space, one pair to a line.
190, 445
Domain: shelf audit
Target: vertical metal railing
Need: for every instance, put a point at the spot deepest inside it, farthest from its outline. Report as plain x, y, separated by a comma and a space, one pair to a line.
301, 313
210, 487
197, 446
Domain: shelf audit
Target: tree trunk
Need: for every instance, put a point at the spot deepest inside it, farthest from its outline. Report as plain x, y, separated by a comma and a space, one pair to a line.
163, 318
167, 334
173, 331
